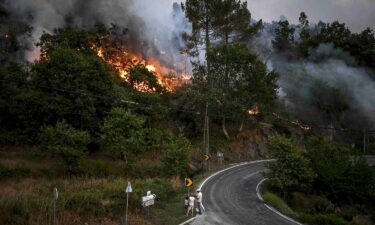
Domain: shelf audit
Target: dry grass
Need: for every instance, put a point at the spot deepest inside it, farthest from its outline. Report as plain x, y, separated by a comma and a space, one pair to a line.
81, 200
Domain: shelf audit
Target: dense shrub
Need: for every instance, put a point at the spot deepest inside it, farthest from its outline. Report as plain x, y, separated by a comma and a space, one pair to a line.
291, 171
123, 133
66, 143
175, 157
18, 171
329, 219
311, 204
337, 177
341, 189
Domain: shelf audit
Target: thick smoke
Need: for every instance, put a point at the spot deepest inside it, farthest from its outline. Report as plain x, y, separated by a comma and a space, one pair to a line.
357, 14
155, 30
157, 27
329, 65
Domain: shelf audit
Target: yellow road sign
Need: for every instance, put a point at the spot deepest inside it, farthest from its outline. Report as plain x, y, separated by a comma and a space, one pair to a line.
206, 157
188, 182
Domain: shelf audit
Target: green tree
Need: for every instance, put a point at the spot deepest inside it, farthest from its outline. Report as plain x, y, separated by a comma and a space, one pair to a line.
329, 100
13, 85
215, 21
291, 171
362, 47
231, 21
336, 33
73, 86
175, 157
339, 178
123, 133
222, 21
357, 185
199, 13
67, 37
305, 37
284, 39
13, 33
65, 142
304, 22
236, 81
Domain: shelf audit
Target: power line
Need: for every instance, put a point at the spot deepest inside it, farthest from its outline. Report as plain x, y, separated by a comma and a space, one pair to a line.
178, 109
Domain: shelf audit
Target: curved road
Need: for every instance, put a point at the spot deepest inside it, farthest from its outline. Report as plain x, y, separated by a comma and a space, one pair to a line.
230, 199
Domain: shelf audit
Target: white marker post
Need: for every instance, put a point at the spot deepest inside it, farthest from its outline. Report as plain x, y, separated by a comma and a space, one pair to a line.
128, 190
55, 197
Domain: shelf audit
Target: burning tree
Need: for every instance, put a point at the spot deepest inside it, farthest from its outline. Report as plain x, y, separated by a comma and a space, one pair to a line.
115, 49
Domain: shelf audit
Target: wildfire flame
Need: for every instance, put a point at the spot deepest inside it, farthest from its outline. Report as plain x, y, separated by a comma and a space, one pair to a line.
302, 126
123, 61
151, 68
295, 122
254, 111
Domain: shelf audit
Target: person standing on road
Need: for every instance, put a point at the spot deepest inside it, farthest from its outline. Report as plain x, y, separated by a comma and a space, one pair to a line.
186, 203
191, 206
199, 202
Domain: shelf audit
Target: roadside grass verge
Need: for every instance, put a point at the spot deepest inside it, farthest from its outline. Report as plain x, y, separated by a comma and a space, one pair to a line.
84, 201
305, 209
278, 203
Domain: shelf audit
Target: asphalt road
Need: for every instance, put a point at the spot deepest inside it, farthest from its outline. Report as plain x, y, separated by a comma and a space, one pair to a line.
230, 199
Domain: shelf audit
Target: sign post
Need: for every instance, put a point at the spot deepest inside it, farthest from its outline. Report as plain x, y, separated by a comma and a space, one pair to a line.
55, 197
128, 190
148, 201
220, 157
188, 183
207, 158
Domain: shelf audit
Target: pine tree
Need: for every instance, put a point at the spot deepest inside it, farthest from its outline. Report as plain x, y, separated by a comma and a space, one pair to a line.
284, 39
232, 21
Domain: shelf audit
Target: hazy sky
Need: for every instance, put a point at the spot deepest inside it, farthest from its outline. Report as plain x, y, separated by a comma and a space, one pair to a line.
357, 14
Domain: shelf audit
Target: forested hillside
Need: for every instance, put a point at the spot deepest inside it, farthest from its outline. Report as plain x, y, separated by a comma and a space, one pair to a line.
93, 102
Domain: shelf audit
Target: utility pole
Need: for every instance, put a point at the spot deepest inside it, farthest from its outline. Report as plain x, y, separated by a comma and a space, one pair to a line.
206, 138
364, 141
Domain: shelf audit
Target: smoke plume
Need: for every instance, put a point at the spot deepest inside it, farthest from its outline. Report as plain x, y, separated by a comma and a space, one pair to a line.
155, 26
327, 65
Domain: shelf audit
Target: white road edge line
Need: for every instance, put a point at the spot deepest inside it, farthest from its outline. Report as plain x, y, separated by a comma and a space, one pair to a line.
189, 220
270, 207
212, 175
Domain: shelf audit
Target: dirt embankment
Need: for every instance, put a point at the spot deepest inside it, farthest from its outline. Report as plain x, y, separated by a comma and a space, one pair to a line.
250, 144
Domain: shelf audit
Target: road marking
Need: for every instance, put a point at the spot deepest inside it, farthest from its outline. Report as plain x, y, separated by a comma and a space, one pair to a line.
250, 175
221, 171
257, 189
270, 207
188, 221
240, 164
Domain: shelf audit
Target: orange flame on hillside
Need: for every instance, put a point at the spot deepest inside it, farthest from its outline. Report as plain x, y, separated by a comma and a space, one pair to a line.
123, 61
295, 122
254, 111
301, 125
